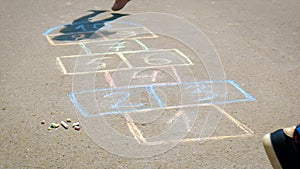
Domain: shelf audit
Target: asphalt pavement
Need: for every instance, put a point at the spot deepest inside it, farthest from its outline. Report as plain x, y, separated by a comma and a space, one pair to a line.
256, 41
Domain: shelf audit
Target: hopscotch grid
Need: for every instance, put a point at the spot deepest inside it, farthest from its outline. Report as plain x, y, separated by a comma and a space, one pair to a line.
132, 127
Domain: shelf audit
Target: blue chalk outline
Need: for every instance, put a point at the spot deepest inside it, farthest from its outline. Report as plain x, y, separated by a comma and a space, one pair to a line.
151, 90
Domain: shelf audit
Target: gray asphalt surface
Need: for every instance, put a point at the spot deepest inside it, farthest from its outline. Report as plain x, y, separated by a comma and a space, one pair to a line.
257, 41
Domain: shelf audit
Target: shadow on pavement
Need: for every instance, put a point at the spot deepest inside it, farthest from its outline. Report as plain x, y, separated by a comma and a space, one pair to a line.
83, 28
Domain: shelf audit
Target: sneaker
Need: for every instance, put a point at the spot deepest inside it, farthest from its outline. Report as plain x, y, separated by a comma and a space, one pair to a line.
119, 4
283, 148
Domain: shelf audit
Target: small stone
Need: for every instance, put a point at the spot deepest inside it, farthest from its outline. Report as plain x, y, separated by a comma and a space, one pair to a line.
49, 128
69, 120
54, 125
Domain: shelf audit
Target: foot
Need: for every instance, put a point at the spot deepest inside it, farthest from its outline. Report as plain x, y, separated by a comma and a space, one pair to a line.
282, 148
119, 4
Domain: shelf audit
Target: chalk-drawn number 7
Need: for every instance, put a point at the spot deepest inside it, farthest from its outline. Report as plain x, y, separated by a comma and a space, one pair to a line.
121, 100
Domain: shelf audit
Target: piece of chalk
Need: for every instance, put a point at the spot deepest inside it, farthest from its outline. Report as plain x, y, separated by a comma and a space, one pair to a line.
75, 124
77, 128
69, 120
64, 124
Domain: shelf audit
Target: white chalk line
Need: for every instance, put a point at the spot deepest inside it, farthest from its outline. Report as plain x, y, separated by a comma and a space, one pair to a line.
137, 134
188, 140
61, 65
125, 60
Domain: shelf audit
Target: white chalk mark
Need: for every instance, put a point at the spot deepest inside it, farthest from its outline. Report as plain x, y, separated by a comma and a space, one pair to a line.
143, 45
125, 60
119, 46
187, 140
102, 65
184, 56
177, 116
61, 65
236, 122
85, 48
154, 74
137, 134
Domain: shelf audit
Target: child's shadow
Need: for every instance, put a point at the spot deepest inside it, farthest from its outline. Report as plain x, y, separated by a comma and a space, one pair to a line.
83, 28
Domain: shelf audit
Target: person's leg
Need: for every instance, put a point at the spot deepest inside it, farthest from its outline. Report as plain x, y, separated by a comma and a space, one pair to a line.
283, 148
119, 4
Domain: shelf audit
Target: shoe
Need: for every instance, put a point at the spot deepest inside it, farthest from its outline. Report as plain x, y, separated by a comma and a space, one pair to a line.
283, 148
119, 4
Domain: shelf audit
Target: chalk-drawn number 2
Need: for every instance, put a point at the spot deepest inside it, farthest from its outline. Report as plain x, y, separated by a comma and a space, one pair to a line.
120, 100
